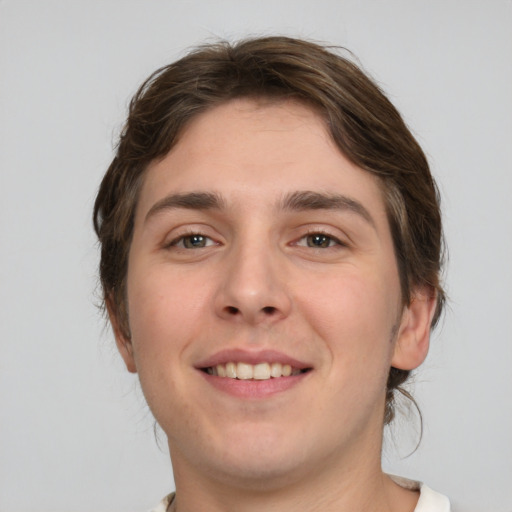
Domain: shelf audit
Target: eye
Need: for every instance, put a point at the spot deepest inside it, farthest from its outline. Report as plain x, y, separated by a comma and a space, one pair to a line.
192, 241
319, 241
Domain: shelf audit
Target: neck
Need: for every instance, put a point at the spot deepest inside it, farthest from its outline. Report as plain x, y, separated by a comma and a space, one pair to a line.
358, 484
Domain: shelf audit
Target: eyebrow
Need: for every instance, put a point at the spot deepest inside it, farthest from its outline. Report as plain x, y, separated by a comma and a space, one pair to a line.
309, 200
295, 201
189, 201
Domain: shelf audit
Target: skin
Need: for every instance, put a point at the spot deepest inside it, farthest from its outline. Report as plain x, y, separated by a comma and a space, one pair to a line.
256, 281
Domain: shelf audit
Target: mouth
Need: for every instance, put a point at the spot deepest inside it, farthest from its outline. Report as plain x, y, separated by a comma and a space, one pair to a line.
253, 374
260, 371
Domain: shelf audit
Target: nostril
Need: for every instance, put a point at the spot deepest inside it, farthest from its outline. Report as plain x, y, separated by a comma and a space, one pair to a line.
265, 312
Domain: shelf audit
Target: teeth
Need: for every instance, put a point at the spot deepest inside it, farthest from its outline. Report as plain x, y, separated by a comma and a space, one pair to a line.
287, 370
260, 371
244, 371
230, 370
275, 370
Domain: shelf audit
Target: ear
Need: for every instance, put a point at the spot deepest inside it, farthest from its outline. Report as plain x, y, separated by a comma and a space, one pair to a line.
413, 339
123, 341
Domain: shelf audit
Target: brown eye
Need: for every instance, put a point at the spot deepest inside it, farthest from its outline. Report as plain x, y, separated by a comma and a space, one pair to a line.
319, 240
194, 241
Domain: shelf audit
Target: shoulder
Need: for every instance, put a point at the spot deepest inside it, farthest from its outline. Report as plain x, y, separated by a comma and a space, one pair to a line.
164, 504
430, 501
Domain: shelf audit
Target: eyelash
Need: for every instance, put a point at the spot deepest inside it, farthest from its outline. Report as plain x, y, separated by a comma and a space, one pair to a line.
181, 240
321, 233
332, 240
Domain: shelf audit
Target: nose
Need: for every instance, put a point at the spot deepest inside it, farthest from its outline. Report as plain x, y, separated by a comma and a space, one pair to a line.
252, 288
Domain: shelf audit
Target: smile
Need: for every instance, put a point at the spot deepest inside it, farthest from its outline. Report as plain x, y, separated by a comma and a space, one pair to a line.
246, 371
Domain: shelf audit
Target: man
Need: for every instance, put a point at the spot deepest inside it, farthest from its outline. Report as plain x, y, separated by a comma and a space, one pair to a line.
271, 249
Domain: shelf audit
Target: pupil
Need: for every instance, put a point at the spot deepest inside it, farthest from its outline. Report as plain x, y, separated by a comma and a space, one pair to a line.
194, 241
319, 241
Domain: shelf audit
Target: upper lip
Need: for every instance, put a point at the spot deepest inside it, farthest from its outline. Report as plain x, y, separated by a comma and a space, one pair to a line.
251, 357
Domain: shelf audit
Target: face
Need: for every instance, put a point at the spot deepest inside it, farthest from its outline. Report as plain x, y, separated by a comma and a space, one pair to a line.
260, 252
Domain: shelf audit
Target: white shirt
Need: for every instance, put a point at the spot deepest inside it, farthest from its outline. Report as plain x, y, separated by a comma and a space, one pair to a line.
430, 501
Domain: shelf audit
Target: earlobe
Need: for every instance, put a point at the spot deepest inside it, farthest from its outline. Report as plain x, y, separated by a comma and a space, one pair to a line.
123, 341
413, 338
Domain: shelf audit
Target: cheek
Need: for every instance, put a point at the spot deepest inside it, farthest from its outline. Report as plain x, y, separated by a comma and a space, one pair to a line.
164, 312
355, 314
165, 315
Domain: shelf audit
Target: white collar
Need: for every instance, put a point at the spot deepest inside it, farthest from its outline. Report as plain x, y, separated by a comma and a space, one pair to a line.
430, 501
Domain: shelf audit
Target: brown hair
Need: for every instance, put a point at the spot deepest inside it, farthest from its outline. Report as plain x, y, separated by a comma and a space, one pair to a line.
361, 120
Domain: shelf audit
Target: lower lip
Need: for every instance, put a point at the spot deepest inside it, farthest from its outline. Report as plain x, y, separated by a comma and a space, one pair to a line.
254, 388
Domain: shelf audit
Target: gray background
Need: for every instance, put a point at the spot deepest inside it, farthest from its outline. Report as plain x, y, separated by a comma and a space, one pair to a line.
74, 431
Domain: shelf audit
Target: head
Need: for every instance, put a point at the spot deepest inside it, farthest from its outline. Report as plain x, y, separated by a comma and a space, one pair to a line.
363, 124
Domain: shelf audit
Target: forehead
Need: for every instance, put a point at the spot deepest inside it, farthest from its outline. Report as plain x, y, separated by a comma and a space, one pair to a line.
258, 150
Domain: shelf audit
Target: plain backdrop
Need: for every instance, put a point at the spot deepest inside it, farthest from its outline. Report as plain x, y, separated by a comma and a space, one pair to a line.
75, 433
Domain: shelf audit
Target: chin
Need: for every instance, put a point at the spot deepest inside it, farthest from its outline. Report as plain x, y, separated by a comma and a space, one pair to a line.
251, 457
265, 472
